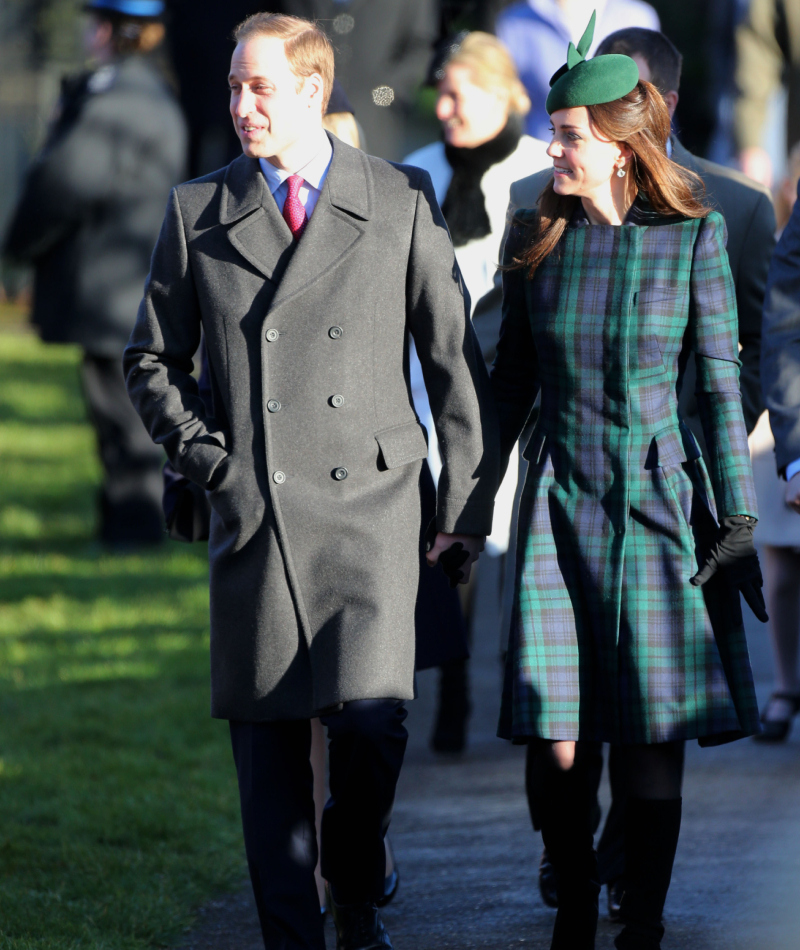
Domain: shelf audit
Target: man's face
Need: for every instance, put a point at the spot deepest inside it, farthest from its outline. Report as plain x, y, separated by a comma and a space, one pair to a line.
97, 34
271, 107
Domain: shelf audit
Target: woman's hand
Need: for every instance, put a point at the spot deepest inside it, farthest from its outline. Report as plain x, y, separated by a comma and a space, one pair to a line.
456, 553
735, 553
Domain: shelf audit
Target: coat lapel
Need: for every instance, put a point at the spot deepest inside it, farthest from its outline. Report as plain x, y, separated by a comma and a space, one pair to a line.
259, 232
335, 227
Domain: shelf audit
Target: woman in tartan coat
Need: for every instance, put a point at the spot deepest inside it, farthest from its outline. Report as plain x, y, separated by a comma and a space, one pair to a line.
617, 636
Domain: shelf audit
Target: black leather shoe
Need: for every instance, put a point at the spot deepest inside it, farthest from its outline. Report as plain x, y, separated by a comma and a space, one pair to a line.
547, 881
615, 892
359, 927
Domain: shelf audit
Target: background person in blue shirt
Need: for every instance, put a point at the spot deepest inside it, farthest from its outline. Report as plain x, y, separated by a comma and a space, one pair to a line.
537, 31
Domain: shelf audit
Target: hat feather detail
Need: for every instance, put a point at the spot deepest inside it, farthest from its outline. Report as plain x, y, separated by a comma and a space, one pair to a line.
585, 42
573, 56
588, 82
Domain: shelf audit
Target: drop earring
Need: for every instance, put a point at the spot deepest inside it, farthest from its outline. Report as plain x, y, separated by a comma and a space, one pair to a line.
620, 173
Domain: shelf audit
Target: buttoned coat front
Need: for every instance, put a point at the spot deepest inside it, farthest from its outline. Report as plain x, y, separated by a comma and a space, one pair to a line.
609, 640
313, 455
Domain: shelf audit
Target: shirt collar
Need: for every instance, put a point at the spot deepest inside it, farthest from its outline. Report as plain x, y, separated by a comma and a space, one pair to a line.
313, 172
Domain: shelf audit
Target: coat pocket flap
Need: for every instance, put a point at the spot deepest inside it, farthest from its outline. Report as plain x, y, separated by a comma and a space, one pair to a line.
671, 448
402, 444
534, 450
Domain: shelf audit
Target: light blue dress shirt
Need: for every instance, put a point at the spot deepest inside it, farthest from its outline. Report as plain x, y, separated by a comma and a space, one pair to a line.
313, 174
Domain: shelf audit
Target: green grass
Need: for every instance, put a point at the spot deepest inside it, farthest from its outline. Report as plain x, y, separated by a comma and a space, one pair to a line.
118, 805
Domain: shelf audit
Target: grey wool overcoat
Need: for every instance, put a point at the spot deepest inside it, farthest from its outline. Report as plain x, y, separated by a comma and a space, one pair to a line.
313, 455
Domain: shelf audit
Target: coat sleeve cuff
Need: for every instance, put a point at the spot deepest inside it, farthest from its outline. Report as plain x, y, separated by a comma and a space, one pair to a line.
201, 461
465, 516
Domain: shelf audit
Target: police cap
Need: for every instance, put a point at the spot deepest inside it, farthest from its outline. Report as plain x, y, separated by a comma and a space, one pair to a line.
132, 8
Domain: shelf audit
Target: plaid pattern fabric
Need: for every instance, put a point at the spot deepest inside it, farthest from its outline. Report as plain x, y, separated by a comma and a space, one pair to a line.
609, 641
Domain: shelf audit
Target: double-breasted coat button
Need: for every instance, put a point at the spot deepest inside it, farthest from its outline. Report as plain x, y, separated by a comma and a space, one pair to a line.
279, 478
340, 474
272, 335
273, 405
335, 333
337, 401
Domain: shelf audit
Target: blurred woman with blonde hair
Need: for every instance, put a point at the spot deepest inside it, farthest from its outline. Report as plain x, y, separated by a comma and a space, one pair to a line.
481, 104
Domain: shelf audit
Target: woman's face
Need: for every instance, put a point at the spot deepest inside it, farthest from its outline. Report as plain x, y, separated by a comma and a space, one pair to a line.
583, 161
469, 114
97, 35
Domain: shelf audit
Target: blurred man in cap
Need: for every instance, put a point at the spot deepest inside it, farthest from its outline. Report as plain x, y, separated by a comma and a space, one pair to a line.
87, 221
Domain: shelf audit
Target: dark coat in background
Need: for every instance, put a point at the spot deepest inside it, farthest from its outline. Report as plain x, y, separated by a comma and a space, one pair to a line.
200, 38
750, 220
382, 49
780, 354
313, 458
93, 202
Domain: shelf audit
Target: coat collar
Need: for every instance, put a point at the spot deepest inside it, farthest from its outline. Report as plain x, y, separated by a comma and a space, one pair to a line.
639, 214
259, 233
348, 182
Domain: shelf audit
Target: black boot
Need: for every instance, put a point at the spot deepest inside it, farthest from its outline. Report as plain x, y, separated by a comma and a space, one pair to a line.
359, 927
567, 835
652, 827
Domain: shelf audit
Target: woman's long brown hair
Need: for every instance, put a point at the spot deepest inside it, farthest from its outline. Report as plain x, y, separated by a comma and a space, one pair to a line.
640, 120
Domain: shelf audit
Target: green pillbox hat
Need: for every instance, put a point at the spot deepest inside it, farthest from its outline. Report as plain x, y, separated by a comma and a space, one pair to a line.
588, 82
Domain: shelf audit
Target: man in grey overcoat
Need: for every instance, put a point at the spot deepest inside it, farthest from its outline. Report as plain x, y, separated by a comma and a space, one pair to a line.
750, 219
306, 264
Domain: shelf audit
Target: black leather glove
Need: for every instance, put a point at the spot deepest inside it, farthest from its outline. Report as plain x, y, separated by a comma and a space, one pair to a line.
452, 561
735, 553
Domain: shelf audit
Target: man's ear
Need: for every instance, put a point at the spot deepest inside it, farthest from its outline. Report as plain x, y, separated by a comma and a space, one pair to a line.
671, 99
316, 89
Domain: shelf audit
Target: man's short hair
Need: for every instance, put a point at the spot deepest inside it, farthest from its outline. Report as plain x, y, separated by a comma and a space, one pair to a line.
308, 49
657, 50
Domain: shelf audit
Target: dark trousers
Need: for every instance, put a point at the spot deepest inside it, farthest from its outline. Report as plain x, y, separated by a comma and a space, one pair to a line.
130, 500
367, 742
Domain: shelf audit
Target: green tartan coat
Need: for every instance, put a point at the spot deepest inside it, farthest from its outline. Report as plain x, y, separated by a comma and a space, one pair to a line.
609, 640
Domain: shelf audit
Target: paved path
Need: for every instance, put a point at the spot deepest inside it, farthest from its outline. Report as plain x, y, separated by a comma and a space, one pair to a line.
468, 857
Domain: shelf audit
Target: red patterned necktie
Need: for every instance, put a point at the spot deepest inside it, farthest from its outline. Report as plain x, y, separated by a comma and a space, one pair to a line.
293, 211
